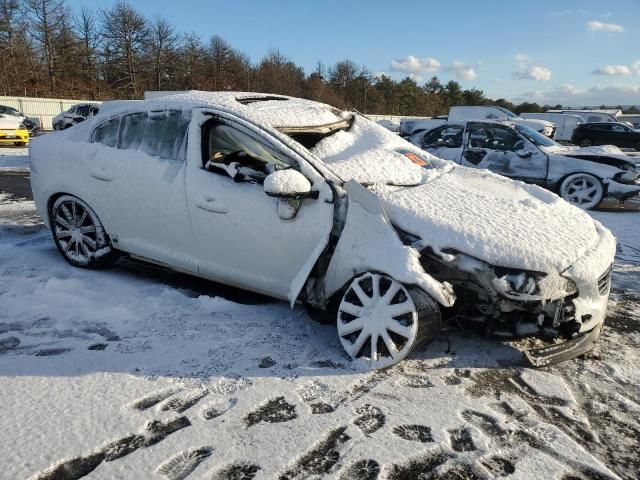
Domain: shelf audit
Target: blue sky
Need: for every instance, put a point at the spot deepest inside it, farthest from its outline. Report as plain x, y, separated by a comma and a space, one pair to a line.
571, 52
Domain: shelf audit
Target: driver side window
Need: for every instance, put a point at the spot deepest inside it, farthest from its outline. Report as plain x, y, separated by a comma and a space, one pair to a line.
239, 155
493, 137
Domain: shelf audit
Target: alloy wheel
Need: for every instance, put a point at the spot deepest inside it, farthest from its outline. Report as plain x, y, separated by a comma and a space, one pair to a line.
584, 191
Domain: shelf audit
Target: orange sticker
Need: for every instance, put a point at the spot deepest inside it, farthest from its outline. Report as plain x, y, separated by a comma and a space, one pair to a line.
415, 159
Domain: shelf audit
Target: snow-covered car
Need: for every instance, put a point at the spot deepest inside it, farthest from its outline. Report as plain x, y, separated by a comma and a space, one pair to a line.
582, 176
29, 123
76, 114
309, 204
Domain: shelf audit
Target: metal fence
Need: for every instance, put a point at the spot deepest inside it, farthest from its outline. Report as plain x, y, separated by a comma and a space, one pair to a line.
41, 109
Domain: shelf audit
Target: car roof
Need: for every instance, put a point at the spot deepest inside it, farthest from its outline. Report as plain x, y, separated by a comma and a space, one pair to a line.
274, 110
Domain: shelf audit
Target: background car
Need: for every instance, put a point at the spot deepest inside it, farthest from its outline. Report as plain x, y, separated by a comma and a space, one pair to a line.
12, 131
583, 177
76, 114
607, 133
30, 125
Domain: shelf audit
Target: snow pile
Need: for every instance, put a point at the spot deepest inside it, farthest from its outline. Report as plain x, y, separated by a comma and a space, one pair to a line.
492, 218
14, 160
287, 181
370, 154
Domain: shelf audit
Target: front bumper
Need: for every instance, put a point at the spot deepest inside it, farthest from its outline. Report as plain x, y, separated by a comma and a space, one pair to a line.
552, 354
14, 136
622, 191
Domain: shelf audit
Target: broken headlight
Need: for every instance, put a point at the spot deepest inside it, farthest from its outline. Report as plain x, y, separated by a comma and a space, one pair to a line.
626, 177
523, 285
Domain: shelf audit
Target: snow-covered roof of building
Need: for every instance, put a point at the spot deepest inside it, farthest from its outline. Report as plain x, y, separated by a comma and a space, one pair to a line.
263, 108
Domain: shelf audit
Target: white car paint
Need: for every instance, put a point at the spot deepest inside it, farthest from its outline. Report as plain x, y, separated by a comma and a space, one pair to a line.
490, 112
565, 123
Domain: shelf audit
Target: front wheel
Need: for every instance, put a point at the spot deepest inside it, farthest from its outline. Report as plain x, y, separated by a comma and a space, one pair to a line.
582, 190
585, 142
380, 321
79, 234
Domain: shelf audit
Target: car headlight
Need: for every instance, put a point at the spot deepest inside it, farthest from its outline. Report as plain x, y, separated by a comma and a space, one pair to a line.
626, 176
525, 285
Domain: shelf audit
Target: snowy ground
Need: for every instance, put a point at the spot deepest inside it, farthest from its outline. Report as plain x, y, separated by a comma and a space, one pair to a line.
138, 372
14, 159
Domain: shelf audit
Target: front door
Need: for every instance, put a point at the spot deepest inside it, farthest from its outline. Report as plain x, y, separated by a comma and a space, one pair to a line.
500, 149
243, 236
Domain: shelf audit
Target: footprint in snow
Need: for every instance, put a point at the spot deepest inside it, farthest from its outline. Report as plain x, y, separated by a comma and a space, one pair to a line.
184, 402
276, 410
370, 419
154, 398
236, 471
182, 464
217, 408
413, 433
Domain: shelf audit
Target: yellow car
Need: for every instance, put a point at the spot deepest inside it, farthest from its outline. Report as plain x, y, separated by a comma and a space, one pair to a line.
12, 132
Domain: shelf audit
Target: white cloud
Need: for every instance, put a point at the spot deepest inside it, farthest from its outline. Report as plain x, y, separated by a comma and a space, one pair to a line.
526, 71
415, 65
462, 71
596, 26
533, 73
636, 67
612, 70
417, 78
569, 95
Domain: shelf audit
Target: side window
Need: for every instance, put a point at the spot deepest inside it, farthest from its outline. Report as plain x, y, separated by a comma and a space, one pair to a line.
107, 133
492, 137
618, 128
159, 134
449, 136
83, 111
593, 118
603, 127
232, 152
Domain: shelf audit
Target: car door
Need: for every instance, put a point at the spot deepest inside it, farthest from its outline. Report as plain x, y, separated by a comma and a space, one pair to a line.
138, 177
245, 237
621, 135
444, 142
502, 150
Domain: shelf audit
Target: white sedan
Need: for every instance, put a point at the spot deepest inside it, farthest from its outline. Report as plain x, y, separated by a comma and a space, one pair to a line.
306, 203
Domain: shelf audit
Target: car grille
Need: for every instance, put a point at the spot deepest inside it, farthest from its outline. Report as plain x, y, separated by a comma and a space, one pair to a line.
604, 282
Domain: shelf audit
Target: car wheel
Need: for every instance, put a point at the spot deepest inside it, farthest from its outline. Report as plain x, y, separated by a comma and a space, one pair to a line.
585, 142
79, 234
638, 146
582, 190
380, 320
19, 144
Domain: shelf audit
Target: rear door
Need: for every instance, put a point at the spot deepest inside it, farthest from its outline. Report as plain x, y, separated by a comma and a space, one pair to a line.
622, 136
502, 150
138, 174
444, 142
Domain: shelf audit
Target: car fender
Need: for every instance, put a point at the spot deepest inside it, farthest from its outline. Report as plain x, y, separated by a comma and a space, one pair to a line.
370, 243
560, 166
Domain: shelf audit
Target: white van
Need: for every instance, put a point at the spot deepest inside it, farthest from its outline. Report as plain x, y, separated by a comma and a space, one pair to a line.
565, 123
493, 112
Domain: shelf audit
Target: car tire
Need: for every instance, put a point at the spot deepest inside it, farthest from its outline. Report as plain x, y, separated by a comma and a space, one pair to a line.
19, 144
638, 146
380, 321
79, 234
585, 142
582, 190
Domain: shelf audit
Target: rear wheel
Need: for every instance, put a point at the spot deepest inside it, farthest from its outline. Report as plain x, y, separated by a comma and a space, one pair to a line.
582, 190
585, 142
79, 234
380, 320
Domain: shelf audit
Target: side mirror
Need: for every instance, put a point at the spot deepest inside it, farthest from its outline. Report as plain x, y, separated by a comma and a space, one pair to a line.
288, 183
522, 153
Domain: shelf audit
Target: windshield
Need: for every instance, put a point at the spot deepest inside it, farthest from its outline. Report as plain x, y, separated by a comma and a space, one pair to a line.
536, 137
371, 154
508, 113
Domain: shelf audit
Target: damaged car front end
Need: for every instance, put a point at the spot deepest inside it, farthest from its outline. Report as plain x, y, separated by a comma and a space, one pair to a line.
563, 311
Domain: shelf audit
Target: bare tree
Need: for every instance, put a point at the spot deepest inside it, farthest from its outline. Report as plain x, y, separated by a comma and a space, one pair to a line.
47, 28
125, 31
86, 28
162, 43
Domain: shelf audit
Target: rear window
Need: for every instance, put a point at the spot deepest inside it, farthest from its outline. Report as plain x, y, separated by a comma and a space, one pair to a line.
159, 134
107, 133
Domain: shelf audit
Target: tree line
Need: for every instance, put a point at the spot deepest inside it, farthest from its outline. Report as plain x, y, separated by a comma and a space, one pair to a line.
48, 50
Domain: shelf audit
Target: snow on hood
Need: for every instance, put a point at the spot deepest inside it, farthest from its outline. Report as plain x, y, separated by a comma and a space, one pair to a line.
371, 154
500, 221
272, 110
596, 151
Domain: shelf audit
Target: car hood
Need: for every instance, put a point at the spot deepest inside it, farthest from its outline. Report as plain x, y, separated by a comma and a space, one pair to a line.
606, 154
494, 219
8, 122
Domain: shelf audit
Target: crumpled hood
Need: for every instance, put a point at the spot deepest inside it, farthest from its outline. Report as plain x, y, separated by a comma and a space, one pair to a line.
500, 221
595, 151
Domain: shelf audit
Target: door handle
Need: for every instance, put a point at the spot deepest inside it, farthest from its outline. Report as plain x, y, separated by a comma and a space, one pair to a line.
208, 204
102, 174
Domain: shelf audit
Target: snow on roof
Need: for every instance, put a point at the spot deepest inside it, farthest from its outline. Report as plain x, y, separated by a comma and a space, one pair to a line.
267, 109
